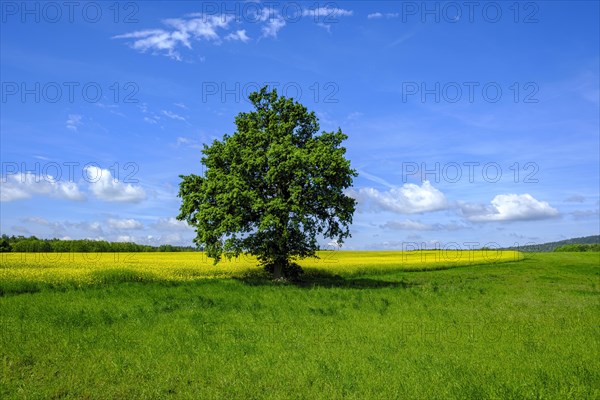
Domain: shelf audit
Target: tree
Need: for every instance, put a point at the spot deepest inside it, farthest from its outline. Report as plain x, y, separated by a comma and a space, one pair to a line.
271, 188
4, 244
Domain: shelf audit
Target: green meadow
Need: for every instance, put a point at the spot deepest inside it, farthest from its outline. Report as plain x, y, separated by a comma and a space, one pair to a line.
520, 328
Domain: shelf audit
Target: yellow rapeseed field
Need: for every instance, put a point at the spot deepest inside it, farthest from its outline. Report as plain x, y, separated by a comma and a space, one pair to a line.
91, 268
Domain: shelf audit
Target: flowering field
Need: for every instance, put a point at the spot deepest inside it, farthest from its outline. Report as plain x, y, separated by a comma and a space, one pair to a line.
96, 268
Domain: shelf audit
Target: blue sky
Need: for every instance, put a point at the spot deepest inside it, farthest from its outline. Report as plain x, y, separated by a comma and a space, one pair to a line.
469, 123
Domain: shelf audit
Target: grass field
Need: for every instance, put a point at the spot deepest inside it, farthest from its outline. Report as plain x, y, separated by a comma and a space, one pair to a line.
360, 325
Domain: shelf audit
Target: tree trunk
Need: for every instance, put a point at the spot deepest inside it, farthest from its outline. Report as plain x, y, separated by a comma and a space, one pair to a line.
277, 270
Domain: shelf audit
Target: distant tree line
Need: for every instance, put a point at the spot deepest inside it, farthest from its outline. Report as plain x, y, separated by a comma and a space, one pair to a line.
552, 246
21, 244
578, 247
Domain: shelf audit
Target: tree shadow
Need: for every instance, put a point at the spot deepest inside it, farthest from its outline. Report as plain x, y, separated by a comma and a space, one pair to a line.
316, 278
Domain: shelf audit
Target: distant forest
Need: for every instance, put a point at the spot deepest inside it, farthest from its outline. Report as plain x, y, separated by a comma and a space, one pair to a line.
563, 245
21, 244
32, 244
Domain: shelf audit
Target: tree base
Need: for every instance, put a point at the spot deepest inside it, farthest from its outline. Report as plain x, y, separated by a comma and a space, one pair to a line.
291, 271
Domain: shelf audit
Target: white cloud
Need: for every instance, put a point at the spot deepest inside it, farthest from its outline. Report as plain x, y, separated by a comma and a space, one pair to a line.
25, 185
181, 105
271, 28
183, 140
103, 186
73, 121
172, 115
171, 224
238, 35
188, 142
182, 32
378, 15
94, 227
509, 207
161, 41
152, 119
326, 13
407, 199
411, 225
124, 224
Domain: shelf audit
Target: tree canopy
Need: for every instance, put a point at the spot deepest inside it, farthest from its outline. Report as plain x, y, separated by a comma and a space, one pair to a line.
272, 188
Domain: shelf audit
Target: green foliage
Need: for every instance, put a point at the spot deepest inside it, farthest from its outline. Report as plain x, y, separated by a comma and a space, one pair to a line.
578, 247
272, 188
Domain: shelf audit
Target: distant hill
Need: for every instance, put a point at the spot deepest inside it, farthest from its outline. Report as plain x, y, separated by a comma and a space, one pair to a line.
546, 247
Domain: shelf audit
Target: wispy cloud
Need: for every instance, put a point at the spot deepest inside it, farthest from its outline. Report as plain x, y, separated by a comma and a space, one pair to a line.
412, 225
172, 115
272, 27
181, 105
178, 32
326, 13
238, 35
378, 15
73, 121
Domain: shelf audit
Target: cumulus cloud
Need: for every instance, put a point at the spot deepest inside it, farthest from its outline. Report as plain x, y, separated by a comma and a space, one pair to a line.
55, 226
171, 224
94, 227
105, 187
25, 185
407, 199
124, 224
509, 207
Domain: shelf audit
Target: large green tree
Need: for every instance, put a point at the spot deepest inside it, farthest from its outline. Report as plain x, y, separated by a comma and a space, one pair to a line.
272, 188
